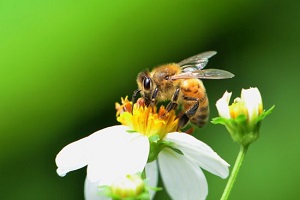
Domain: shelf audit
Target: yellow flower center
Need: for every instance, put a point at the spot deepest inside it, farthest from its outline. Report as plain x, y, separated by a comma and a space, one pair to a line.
146, 119
237, 108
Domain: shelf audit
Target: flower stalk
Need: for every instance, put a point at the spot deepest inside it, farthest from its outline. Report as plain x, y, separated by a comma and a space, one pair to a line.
243, 120
236, 168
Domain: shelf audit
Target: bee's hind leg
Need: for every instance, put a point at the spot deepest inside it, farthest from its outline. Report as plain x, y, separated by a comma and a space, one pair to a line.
193, 109
183, 120
185, 117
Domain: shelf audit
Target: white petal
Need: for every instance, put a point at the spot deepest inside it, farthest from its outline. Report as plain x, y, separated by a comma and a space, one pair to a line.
73, 156
182, 178
199, 152
91, 191
106, 142
222, 105
126, 154
79, 153
253, 101
152, 176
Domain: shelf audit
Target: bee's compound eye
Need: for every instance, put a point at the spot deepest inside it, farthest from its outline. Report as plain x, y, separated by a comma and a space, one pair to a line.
147, 83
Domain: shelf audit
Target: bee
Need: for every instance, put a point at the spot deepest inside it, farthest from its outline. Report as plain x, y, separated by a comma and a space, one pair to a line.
179, 83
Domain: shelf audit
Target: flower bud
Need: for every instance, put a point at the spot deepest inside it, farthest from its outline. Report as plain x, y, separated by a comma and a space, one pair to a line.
243, 117
131, 186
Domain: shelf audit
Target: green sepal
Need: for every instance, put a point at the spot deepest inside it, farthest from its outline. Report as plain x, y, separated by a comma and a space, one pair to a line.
156, 189
156, 145
131, 131
222, 120
155, 148
154, 138
264, 114
241, 130
176, 150
219, 120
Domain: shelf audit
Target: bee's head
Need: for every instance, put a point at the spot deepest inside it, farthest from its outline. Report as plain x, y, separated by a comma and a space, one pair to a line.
146, 86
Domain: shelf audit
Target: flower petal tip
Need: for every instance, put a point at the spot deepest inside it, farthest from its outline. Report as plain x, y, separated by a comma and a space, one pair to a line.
61, 172
225, 174
222, 105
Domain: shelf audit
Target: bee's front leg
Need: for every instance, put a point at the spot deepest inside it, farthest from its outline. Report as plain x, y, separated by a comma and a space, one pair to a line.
173, 103
153, 96
135, 93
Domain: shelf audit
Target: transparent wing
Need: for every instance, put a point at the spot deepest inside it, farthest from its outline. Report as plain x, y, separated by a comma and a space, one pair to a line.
196, 62
204, 74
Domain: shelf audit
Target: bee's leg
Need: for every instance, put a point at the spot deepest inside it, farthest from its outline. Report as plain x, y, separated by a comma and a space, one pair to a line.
183, 120
154, 95
193, 109
185, 117
135, 93
173, 104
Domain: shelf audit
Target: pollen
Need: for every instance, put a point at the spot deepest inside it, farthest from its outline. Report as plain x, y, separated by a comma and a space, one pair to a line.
147, 120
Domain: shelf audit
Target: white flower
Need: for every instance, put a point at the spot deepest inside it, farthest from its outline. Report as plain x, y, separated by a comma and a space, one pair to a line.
243, 117
250, 104
115, 152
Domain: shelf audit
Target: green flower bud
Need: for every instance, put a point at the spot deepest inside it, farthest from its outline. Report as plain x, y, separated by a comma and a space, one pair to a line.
129, 187
243, 117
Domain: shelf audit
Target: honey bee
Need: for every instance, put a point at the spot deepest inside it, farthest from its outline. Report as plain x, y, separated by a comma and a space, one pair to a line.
180, 83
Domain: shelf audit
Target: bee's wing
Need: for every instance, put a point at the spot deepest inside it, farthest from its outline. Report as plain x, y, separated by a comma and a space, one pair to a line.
196, 62
204, 74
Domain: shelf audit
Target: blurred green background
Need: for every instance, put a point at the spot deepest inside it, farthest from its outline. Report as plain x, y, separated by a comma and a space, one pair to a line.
63, 65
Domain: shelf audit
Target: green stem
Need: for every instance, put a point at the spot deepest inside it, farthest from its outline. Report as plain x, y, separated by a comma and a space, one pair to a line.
144, 177
234, 172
